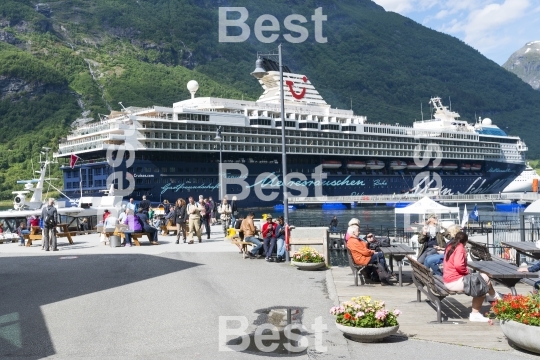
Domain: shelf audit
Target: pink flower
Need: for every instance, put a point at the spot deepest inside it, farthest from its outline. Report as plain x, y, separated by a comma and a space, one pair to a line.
380, 315
397, 312
360, 314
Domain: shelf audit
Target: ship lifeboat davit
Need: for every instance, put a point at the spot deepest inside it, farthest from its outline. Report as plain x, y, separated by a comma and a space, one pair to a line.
331, 164
449, 166
356, 164
433, 166
465, 167
375, 165
398, 165
476, 167
411, 165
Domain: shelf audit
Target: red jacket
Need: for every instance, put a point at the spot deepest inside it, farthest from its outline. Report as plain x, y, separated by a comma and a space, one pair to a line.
267, 233
359, 250
456, 266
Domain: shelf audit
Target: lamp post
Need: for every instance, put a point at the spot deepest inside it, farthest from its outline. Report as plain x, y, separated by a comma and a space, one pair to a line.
219, 138
259, 73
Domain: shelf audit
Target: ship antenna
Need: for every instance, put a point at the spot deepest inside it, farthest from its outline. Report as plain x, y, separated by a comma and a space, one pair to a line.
421, 111
450, 100
351, 102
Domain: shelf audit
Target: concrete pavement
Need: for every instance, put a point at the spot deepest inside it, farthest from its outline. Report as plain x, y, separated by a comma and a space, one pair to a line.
165, 302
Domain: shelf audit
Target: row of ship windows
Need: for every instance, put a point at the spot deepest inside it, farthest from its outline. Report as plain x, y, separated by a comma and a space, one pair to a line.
301, 150
292, 133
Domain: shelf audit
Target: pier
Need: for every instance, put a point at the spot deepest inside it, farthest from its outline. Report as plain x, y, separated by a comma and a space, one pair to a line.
410, 198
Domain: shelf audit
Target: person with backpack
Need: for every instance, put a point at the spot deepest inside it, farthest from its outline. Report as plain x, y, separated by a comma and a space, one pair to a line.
49, 215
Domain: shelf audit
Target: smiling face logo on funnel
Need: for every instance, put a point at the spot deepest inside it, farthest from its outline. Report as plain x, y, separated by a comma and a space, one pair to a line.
297, 96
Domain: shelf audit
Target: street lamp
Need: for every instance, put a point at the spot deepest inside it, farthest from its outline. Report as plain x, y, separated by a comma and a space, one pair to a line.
219, 138
259, 73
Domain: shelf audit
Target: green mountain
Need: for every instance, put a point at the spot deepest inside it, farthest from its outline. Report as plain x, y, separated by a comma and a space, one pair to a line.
525, 63
66, 59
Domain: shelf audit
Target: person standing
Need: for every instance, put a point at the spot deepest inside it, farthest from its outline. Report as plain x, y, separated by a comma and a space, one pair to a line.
181, 214
145, 205
234, 210
269, 238
49, 215
194, 212
131, 205
205, 216
226, 211
333, 224
213, 210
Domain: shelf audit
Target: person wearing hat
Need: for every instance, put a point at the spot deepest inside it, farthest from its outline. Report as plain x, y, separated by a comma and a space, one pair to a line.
269, 237
431, 238
49, 215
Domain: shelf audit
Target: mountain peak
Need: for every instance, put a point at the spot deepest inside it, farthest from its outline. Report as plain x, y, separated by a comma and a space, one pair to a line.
525, 63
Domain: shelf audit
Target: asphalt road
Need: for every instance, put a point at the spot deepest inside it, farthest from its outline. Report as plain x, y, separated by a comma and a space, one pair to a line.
168, 306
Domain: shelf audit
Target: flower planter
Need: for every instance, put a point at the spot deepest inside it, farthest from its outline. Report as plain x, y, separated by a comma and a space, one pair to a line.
523, 336
367, 334
308, 266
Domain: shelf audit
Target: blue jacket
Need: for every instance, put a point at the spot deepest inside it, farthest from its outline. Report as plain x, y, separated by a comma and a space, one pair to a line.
535, 267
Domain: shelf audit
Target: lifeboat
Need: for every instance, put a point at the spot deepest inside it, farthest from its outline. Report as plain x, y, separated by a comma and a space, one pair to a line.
398, 165
476, 167
331, 164
375, 165
411, 165
465, 167
432, 166
356, 164
449, 166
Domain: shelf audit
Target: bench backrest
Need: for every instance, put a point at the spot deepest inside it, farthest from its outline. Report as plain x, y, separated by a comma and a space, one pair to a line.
478, 252
423, 275
352, 264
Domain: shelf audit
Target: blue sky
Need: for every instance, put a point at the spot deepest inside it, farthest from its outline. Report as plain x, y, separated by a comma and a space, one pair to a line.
496, 28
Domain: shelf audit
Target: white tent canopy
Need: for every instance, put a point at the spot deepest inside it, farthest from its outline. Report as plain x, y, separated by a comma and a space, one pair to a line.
534, 208
427, 206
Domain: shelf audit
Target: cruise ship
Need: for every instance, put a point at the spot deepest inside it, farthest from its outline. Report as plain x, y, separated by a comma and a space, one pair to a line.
527, 181
172, 152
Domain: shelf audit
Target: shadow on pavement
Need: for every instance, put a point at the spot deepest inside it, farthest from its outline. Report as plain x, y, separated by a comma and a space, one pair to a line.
26, 283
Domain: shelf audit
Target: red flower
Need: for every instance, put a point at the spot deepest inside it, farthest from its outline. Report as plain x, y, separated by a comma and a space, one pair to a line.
347, 316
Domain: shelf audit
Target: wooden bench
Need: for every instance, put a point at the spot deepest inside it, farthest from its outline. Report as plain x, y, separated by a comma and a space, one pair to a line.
166, 229
134, 236
431, 285
356, 269
36, 234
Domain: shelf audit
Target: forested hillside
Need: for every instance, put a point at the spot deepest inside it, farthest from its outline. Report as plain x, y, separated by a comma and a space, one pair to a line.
71, 57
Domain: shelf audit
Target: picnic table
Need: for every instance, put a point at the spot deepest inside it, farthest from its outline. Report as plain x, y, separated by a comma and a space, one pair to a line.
526, 248
36, 234
397, 252
502, 272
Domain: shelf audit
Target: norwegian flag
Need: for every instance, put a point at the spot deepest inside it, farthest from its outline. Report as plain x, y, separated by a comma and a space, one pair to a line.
73, 160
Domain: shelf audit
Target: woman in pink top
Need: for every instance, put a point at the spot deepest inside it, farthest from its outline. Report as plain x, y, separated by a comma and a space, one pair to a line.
455, 268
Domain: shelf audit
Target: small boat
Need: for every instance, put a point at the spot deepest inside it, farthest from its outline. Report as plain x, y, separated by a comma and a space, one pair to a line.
331, 164
333, 206
375, 165
465, 167
356, 164
398, 165
449, 166
476, 167
411, 165
433, 166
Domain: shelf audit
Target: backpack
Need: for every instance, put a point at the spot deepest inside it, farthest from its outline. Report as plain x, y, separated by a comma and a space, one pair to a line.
49, 222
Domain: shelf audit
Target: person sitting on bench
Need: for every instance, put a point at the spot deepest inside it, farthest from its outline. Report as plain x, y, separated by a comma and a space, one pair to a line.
533, 268
364, 256
134, 226
147, 227
455, 269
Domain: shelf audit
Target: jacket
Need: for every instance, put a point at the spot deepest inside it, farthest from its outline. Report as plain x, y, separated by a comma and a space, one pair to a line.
225, 211
266, 232
248, 227
423, 239
180, 214
534, 268
359, 251
194, 211
133, 223
456, 266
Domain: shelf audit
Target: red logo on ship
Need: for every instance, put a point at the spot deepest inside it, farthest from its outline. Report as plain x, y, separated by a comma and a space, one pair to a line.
297, 96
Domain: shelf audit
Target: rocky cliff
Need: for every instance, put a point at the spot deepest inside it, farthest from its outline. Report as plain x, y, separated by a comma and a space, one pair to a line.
525, 63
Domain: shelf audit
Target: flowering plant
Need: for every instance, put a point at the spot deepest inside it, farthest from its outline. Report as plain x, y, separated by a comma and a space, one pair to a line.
308, 255
524, 309
364, 313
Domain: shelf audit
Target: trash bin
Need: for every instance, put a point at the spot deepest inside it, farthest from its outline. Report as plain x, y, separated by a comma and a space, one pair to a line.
114, 240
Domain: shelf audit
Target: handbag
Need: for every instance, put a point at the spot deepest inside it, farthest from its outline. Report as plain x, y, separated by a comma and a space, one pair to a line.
474, 285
